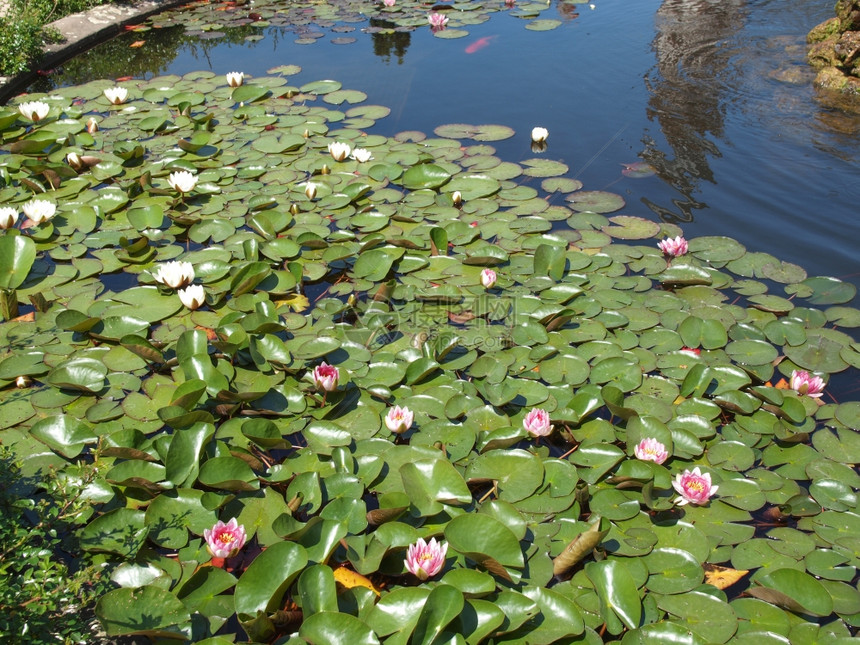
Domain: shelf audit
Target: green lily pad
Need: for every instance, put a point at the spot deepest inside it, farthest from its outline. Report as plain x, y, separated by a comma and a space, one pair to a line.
476, 132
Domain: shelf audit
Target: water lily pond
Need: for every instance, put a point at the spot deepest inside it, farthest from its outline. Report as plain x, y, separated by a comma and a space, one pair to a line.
326, 373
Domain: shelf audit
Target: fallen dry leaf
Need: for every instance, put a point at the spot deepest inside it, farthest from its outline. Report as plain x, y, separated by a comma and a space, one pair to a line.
138, 43
347, 578
722, 577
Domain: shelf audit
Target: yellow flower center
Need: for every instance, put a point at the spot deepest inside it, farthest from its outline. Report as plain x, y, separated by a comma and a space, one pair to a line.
696, 486
424, 557
226, 538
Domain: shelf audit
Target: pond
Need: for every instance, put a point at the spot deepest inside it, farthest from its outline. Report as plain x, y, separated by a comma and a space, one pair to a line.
338, 352
714, 95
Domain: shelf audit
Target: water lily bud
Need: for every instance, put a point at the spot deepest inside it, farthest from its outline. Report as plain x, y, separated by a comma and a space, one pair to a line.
295, 502
537, 422
74, 160
39, 210
182, 180
325, 377
457, 198
22, 382
116, 95
34, 110
294, 208
306, 134
325, 169
488, 278
539, 135
92, 125
192, 296
235, 79
8, 217
339, 150
310, 190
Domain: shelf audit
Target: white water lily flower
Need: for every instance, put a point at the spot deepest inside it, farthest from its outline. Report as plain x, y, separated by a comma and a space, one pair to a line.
8, 217
235, 79
539, 135
192, 296
361, 155
39, 210
34, 110
116, 95
339, 150
174, 274
182, 180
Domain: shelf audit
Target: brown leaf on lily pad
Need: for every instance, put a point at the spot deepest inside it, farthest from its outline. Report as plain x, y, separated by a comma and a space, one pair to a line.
210, 333
580, 547
137, 43
494, 567
777, 598
722, 577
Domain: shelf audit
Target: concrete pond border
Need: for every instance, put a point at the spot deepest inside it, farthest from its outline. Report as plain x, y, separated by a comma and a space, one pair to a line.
81, 31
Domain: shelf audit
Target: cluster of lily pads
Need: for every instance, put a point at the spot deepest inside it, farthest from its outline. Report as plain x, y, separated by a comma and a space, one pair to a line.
309, 20
420, 393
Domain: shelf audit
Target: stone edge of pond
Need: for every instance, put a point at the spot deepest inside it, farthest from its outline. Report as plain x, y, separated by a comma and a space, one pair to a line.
81, 31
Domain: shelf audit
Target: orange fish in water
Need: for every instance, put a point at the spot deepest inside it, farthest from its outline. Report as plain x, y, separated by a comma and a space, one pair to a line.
479, 44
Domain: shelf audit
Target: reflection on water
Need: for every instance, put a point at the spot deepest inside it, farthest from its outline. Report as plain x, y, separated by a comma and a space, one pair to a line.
387, 42
686, 101
713, 94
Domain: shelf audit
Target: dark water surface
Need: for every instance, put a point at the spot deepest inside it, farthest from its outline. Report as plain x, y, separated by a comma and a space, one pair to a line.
715, 95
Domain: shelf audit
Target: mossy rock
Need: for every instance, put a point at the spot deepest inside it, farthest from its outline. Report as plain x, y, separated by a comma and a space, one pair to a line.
848, 13
822, 55
832, 79
827, 30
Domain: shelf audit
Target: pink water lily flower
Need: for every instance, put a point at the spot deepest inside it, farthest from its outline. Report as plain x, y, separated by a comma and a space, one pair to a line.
673, 246
388, 3
803, 383
425, 559
225, 540
694, 487
325, 377
437, 20
650, 449
537, 422
398, 419
488, 278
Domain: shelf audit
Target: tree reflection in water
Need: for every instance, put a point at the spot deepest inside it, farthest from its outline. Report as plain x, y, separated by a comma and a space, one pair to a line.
687, 94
